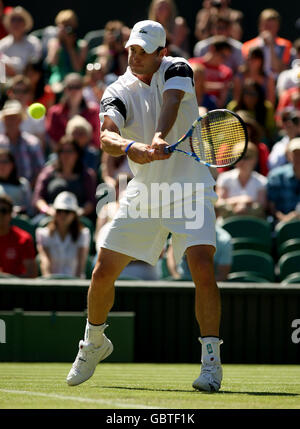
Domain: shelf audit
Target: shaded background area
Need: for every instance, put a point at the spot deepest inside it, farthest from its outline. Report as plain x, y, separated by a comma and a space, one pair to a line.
94, 14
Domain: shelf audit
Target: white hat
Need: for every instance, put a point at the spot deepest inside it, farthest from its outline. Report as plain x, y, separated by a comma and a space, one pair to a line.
150, 35
296, 74
19, 11
294, 144
66, 201
12, 107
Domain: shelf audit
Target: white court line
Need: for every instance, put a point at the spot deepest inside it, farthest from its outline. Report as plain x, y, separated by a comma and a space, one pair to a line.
76, 398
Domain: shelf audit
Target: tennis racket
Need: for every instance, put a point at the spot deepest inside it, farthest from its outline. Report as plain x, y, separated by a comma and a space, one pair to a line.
217, 139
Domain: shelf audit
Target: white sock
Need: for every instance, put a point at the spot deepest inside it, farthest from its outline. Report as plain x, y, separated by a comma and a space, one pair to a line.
210, 349
94, 334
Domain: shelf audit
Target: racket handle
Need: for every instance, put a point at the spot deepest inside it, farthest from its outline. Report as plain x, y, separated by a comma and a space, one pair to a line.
168, 149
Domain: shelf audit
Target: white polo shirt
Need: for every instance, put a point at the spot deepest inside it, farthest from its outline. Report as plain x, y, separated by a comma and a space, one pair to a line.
135, 108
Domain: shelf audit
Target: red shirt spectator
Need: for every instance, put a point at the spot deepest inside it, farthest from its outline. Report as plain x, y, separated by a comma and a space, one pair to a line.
217, 75
59, 115
72, 103
16, 247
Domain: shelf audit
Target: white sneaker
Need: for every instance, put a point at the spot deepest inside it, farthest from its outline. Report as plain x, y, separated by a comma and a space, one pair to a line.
210, 377
86, 361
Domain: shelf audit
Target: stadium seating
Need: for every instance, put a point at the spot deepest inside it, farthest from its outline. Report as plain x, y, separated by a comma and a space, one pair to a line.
245, 277
287, 236
258, 263
289, 264
249, 232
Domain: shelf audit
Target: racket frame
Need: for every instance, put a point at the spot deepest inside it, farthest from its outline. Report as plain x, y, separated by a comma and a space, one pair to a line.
173, 147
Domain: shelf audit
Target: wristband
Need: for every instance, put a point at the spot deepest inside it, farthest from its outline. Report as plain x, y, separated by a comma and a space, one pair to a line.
128, 146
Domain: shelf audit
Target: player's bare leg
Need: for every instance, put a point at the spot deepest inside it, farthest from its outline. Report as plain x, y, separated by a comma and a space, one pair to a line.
96, 346
208, 314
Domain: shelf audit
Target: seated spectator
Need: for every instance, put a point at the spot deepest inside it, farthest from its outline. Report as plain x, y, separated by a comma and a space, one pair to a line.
212, 8
252, 99
94, 83
242, 191
283, 189
17, 256
18, 47
177, 31
66, 52
289, 97
253, 68
221, 26
63, 245
66, 173
19, 88
81, 131
277, 50
41, 91
218, 76
111, 54
25, 147
17, 188
290, 77
222, 259
72, 103
290, 128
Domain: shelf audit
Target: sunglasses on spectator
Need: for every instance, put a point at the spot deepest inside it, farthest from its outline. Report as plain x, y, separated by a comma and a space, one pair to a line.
5, 161
74, 87
5, 210
17, 19
60, 211
66, 151
20, 91
251, 93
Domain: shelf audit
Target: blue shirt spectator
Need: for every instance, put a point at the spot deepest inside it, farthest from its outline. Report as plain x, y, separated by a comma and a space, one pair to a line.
283, 188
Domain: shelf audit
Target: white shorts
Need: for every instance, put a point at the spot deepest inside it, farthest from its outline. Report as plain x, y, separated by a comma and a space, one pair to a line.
144, 238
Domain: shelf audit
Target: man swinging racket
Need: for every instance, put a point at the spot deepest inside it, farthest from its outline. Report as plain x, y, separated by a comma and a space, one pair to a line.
148, 108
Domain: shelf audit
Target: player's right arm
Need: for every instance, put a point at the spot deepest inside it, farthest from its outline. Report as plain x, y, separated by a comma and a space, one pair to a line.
114, 144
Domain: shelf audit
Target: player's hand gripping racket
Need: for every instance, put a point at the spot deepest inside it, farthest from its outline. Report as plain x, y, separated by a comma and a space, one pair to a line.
217, 139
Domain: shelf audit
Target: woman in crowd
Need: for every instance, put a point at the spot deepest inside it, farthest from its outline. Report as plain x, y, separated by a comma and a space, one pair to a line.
63, 245
66, 173
253, 68
242, 190
41, 91
18, 188
252, 99
66, 52
72, 103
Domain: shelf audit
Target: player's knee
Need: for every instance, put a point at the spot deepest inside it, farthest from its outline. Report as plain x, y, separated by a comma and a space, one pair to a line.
101, 275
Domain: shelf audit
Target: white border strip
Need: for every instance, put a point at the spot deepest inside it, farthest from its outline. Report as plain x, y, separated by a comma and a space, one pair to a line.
76, 398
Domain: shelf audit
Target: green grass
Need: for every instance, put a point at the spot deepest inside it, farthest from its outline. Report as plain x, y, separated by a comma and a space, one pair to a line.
133, 386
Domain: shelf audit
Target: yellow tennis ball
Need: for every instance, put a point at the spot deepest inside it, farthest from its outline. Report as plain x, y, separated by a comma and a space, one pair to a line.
37, 110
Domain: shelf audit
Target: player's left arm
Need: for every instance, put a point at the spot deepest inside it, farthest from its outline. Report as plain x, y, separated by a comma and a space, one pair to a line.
168, 114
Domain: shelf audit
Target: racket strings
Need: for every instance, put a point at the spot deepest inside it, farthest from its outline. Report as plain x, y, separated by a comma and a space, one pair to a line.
219, 138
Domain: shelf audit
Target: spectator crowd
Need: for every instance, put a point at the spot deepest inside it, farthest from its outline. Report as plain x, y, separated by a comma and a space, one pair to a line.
50, 168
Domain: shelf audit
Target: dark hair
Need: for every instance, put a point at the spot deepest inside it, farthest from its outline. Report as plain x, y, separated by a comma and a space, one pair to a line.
13, 178
38, 67
5, 199
220, 43
260, 108
74, 228
79, 166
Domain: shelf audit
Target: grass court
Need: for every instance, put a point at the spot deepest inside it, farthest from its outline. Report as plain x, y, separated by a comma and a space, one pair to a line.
143, 386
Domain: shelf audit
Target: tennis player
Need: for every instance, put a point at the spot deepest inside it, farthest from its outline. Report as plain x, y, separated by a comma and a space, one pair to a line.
151, 106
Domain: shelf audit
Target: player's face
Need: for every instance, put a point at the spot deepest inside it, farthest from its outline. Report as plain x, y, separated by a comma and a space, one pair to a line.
142, 63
